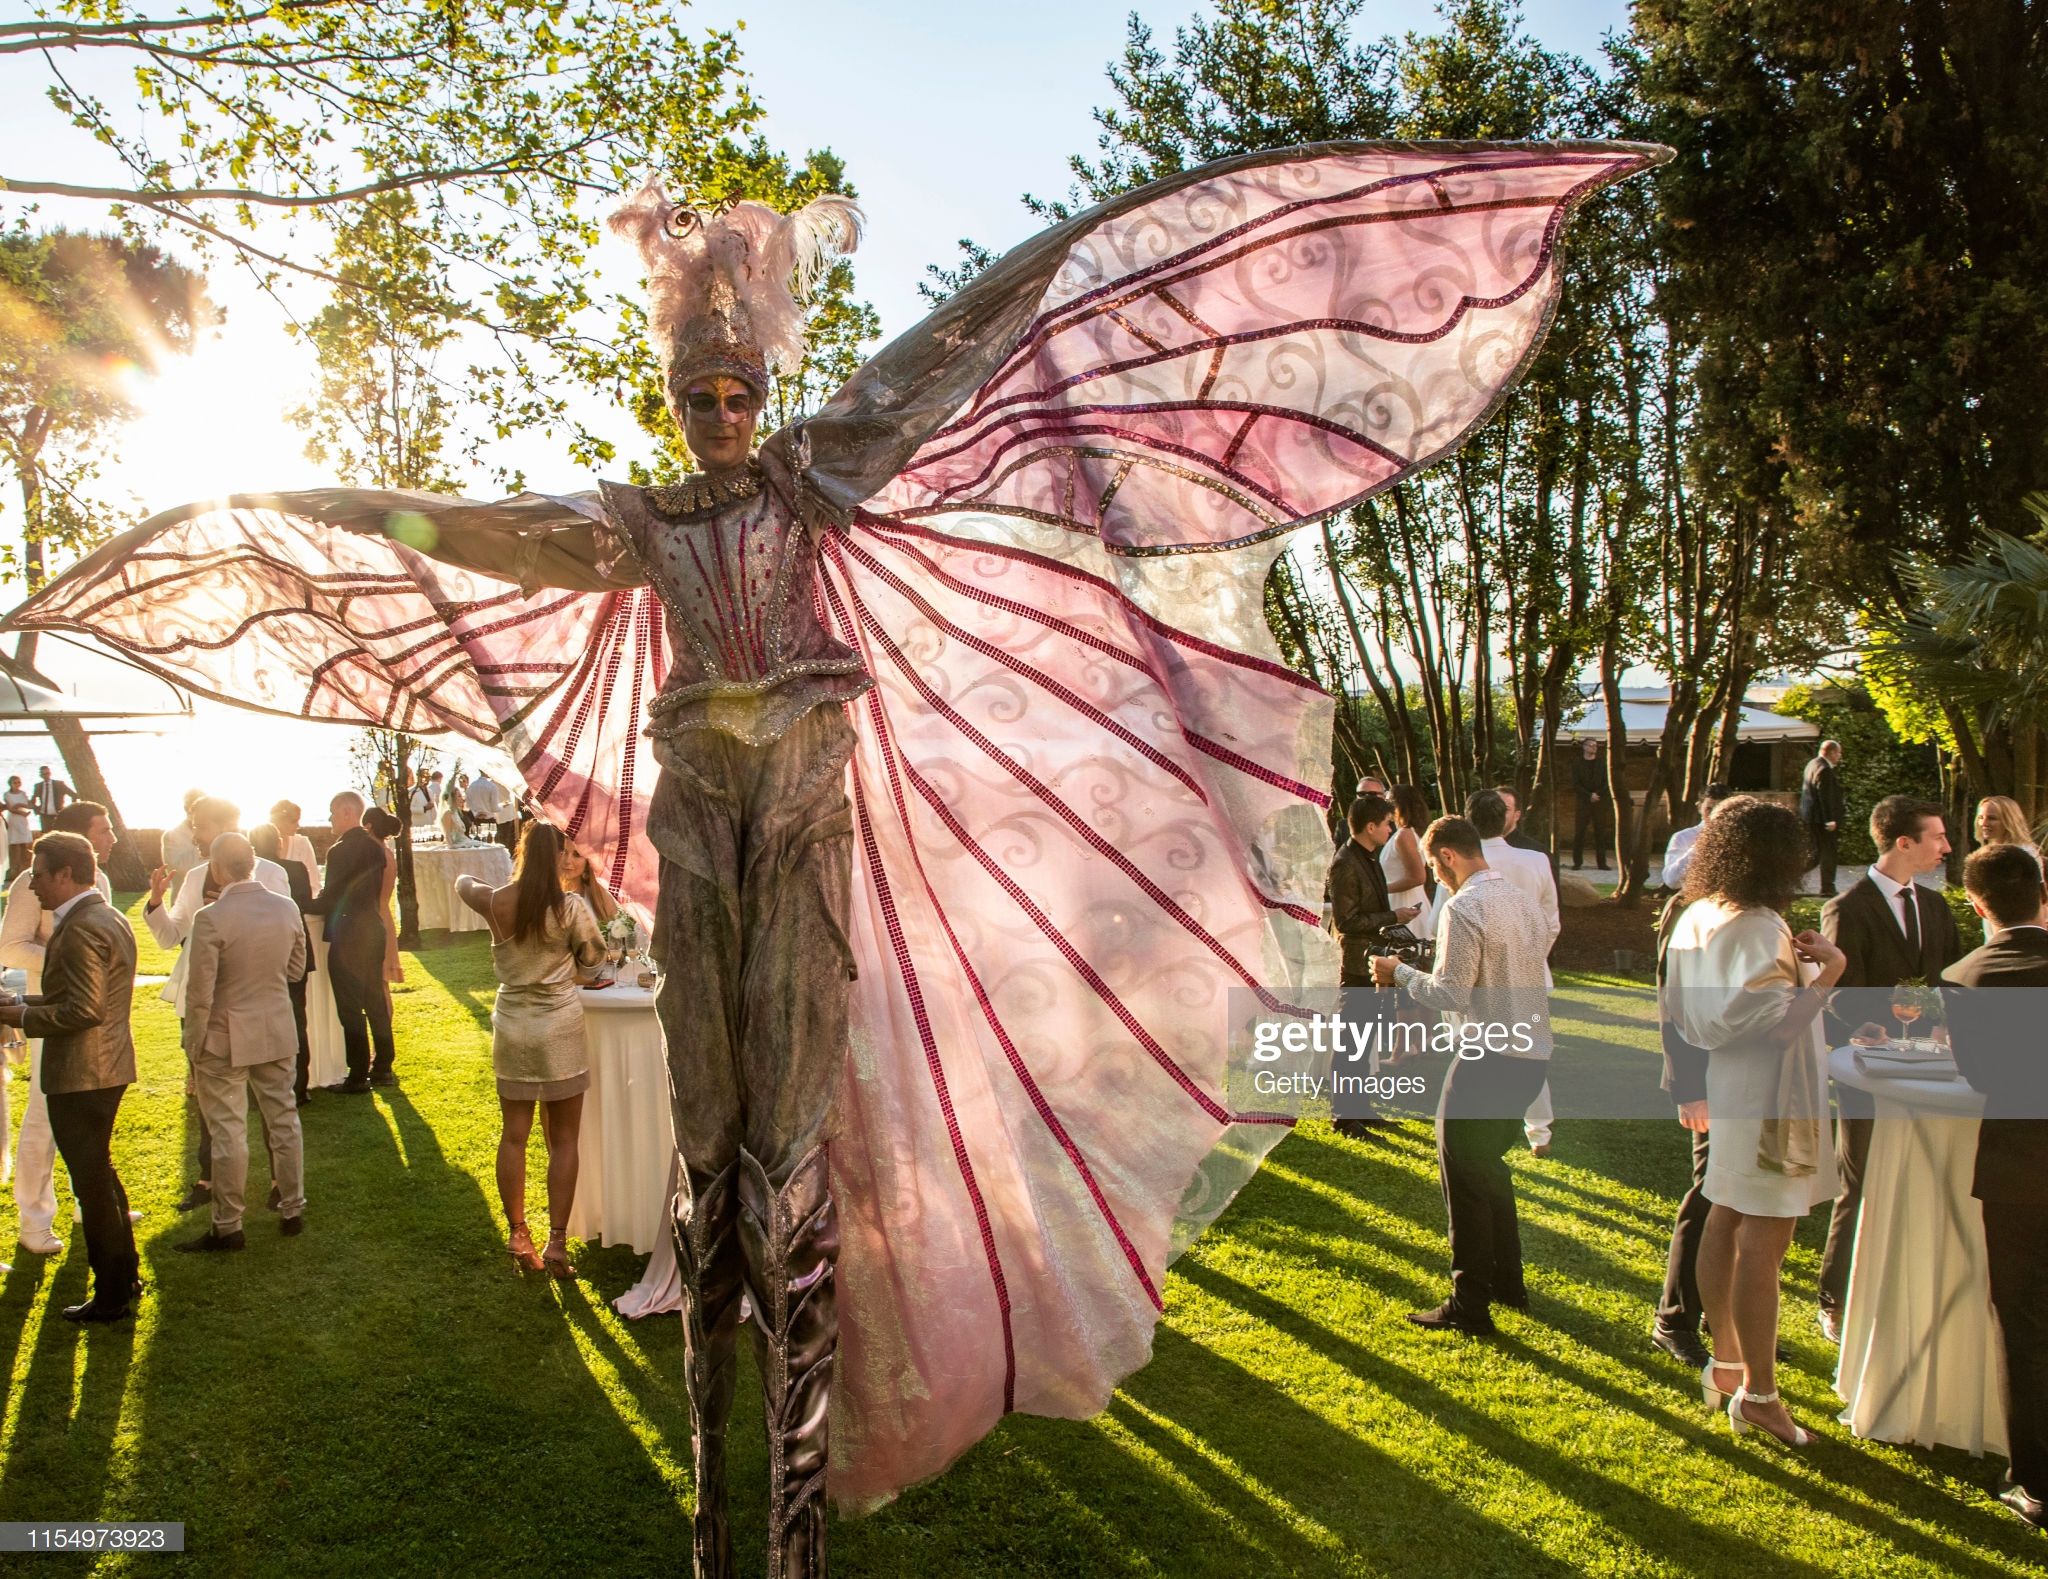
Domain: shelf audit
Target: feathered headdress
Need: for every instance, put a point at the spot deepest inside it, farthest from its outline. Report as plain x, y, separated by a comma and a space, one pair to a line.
725, 288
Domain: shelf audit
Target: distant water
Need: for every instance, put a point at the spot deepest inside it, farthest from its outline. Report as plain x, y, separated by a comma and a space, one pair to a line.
251, 758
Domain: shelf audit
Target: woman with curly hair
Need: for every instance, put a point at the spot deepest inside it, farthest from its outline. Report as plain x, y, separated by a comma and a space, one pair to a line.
1740, 984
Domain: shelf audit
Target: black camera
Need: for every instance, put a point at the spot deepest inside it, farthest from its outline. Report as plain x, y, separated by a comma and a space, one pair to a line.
1398, 943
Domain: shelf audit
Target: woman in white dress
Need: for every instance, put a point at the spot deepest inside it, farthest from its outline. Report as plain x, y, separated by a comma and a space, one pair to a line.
451, 815
1742, 986
1401, 858
20, 835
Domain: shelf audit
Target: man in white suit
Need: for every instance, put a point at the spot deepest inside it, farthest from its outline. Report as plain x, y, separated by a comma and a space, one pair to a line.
245, 950
1529, 872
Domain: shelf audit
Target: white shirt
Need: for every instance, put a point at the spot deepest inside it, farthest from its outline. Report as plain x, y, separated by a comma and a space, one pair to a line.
1529, 872
487, 802
1678, 854
171, 924
26, 928
300, 849
57, 916
1894, 902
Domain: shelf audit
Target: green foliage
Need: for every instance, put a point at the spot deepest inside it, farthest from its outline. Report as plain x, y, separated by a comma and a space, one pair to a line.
381, 414
1876, 762
1857, 218
451, 155
81, 316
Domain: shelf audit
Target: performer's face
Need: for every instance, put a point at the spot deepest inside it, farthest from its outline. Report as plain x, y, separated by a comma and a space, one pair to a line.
718, 421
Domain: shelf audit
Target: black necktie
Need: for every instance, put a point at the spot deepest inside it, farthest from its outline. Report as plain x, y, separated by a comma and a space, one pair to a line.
1912, 903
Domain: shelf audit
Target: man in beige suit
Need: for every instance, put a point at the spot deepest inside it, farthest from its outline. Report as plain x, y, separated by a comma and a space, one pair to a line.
245, 950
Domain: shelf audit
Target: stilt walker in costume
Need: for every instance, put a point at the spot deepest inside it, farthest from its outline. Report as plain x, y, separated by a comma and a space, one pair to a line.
980, 806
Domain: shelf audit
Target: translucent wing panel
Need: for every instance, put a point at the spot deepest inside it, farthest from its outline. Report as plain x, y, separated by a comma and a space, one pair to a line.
1256, 348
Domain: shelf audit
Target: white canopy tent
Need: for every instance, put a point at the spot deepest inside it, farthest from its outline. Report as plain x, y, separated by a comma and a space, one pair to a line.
107, 695
1643, 710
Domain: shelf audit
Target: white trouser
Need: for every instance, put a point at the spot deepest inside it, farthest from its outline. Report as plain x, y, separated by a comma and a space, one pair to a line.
1536, 1122
35, 1159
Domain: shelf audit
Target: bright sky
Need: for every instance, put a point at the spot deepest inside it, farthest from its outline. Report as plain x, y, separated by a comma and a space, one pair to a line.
944, 113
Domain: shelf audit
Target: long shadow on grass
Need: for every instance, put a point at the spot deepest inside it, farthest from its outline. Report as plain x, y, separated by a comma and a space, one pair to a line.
1686, 1543
64, 1433
1836, 1460
384, 1393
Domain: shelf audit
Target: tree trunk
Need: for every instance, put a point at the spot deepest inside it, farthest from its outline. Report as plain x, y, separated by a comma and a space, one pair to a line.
128, 867
408, 889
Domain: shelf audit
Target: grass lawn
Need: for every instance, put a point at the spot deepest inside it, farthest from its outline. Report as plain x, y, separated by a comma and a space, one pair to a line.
386, 1395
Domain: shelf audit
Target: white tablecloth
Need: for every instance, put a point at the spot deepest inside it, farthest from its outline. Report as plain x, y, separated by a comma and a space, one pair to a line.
1919, 1354
628, 1140
434, 872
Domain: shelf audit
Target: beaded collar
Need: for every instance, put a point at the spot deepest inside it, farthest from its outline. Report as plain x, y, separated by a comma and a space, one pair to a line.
702, 491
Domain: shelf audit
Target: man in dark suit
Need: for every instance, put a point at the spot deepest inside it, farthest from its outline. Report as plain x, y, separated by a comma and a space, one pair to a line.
1595, 809
1892, 929
1358, 898
350, 898
1821, 808
88, 1057
1994, 1029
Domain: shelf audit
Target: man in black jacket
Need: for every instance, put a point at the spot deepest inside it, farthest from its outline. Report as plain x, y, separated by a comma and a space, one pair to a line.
1892, 929
1358, 898
1821, 808
1994, 1024
1595, 810
350, 898
88, 1057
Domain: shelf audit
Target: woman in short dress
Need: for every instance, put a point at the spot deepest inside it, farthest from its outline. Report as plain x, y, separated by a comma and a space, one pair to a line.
1741, 985
541, 937
383, 826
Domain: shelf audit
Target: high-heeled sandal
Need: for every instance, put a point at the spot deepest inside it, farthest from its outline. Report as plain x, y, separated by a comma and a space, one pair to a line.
1711, 1392
524, 1256
1801, 1437
556, 1256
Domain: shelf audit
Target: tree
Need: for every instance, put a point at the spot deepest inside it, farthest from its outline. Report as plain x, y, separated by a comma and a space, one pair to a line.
381, 412
489, 132
1859, 208
80, 314
1973, 641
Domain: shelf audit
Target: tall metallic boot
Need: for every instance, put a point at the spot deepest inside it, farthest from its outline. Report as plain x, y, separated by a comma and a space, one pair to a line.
708, 1257
790, 1237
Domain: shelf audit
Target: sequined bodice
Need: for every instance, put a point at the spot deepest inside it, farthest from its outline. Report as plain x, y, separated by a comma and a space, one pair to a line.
736, 576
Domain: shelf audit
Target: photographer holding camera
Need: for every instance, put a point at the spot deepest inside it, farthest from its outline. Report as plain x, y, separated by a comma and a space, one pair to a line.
1363, 912
1489, 981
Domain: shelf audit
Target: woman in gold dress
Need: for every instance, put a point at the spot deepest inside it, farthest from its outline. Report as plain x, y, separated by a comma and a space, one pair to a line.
541, 937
